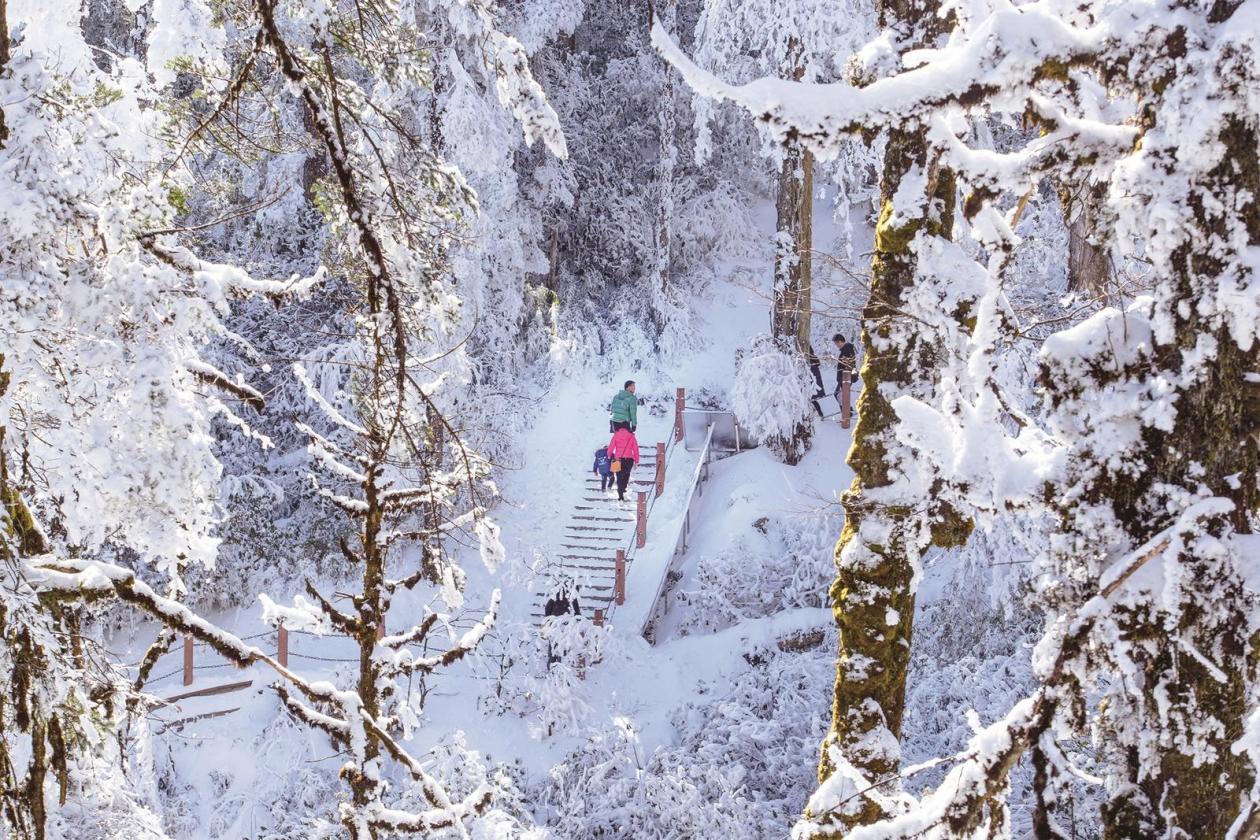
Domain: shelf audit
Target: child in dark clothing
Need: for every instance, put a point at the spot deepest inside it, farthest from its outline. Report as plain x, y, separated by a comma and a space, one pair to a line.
603, 469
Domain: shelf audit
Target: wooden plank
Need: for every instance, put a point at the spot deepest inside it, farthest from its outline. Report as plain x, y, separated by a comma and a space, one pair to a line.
210, 691
179, 724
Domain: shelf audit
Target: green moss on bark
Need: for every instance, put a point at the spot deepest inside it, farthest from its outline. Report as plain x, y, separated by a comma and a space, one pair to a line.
871, 596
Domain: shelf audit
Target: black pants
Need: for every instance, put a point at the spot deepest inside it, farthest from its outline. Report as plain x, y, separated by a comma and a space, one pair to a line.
623, 477
614, 425
606, 481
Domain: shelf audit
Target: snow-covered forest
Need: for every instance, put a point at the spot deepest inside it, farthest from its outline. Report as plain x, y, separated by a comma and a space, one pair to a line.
589, 420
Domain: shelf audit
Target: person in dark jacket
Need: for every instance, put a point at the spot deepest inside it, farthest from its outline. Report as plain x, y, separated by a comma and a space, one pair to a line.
625, 409
845, 361
563, 602
815, 367
603, 468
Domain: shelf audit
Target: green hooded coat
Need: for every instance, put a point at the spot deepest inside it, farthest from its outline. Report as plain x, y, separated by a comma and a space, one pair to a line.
625, 407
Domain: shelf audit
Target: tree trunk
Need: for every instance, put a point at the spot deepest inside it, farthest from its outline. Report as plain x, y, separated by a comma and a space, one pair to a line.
882, 542
4, 62
793, 255
668, 12
794, 242
1194, 706
872, 598
1089, 264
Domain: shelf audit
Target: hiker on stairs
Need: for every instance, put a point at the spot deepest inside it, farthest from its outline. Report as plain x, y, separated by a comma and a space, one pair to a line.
623, 449
603, 468
625, 409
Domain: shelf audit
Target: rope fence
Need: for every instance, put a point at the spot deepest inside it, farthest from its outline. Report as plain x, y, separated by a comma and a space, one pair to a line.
282, 653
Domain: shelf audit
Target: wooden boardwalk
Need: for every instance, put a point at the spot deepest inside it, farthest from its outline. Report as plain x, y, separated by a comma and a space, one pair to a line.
597, 528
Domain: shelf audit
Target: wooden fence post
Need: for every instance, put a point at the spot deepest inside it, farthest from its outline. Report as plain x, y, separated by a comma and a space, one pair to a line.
680, 401
599, 618
619, 583
282, 645
640, 528
846, 382
660, 468
188, 660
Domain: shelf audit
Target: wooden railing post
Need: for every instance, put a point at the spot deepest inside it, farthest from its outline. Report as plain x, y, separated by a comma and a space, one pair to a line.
619, 583
660, 468
640, 528
599, 618
282, 645
188, 660
680, 401
846, 382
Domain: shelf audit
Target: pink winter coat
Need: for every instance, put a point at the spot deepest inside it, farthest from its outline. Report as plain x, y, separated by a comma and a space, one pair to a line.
624, 445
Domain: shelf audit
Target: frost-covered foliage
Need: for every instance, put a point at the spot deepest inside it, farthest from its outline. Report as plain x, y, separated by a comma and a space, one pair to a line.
805, 39
771, 394
106, 406
781, 564
1143, 452
545, 668
739, 767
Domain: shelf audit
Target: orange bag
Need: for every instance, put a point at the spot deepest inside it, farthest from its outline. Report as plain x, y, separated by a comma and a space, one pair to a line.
615, 466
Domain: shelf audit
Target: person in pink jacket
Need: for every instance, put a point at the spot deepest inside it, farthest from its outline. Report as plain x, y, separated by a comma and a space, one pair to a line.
623, 449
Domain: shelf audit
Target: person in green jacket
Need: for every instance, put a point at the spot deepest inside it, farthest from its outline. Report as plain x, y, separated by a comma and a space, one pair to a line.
625, 409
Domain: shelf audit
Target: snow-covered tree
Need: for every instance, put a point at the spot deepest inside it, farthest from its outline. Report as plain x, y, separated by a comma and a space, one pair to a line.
802, 40
107, 314
107, 405
1145, 453
889, 521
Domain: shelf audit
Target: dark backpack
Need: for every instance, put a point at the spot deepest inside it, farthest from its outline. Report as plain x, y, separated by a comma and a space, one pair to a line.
603, 464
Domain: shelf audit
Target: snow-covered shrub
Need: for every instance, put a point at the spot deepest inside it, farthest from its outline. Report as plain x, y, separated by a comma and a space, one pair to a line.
780, 563
771, 394
740, 769
608, 790
545, 680
466, 771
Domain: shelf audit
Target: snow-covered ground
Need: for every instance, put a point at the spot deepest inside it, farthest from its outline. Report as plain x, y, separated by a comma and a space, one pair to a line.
635, 680
752, 507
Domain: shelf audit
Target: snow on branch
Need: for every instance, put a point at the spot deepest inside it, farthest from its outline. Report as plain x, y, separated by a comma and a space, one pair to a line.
316, 397
216, 280
402, 662
90, 579
514, 82
1009, 50
236, 386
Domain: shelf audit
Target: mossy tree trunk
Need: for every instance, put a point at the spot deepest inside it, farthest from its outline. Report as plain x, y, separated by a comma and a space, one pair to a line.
885, 530
24, 700
4, 62
793, 258
1192, 695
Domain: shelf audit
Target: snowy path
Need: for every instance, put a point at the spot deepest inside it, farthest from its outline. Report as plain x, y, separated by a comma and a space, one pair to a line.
598, 527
